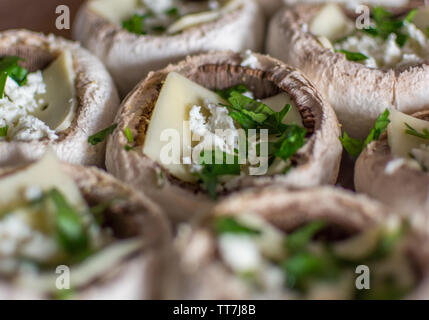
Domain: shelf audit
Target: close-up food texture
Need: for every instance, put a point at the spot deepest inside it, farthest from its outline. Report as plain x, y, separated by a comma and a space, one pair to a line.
214, 150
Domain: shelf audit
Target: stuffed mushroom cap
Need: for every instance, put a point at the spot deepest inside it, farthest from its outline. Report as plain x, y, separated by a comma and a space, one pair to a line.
95, 93
127, 268
130, 57
399, 185
357, 93
203, 276
317, 162
271, 6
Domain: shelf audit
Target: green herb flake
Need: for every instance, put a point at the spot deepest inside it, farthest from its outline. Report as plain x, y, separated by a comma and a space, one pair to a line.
292, 139
226, 93
410, 16
101, 136
386, 24
70, 231
355, 146
172, 12
353, 56
299, 239
224, 225
135, 24
3, 79
218, 167
10, 66
3, 131
129, 135
413, 132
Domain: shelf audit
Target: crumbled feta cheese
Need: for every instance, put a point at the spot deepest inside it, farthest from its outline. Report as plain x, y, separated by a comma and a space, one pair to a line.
240, 252
17, 106
217, 131
249, 59
387, 53
19, 240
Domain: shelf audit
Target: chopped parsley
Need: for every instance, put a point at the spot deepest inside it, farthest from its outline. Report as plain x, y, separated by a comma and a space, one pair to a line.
217, 165
130, 139
135, 24
353, 56
355, 146
224, 225
308, 260
253, 114
3, 79
101, 136
9, 67
70, 231
3, 131
386, 24
172, 12
413, 132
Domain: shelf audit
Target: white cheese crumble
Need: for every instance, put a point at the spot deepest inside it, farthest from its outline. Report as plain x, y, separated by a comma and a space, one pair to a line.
17, 108
240, 253
216, 131
249, 60
386, 54
19, 241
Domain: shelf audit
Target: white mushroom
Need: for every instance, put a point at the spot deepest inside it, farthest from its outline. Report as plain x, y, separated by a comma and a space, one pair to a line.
203, 273
317, 162
125, 267
358, 93
385, 172
88, 85
130, 57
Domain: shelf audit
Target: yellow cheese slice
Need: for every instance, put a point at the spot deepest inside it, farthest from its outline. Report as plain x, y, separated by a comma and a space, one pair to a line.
400, 142
330, 22
113, 10
45, 174
194, 19
278, 102
60, 96
178, 95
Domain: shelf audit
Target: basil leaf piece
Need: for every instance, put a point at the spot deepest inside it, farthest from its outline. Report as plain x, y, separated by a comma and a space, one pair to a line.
224, 225
413, 132
353, 56
301, 238
70, 231
3, 131
101, 136
219, 167
355, 146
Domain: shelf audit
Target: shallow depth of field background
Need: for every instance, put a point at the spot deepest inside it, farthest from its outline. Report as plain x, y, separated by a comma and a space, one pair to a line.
37, 15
